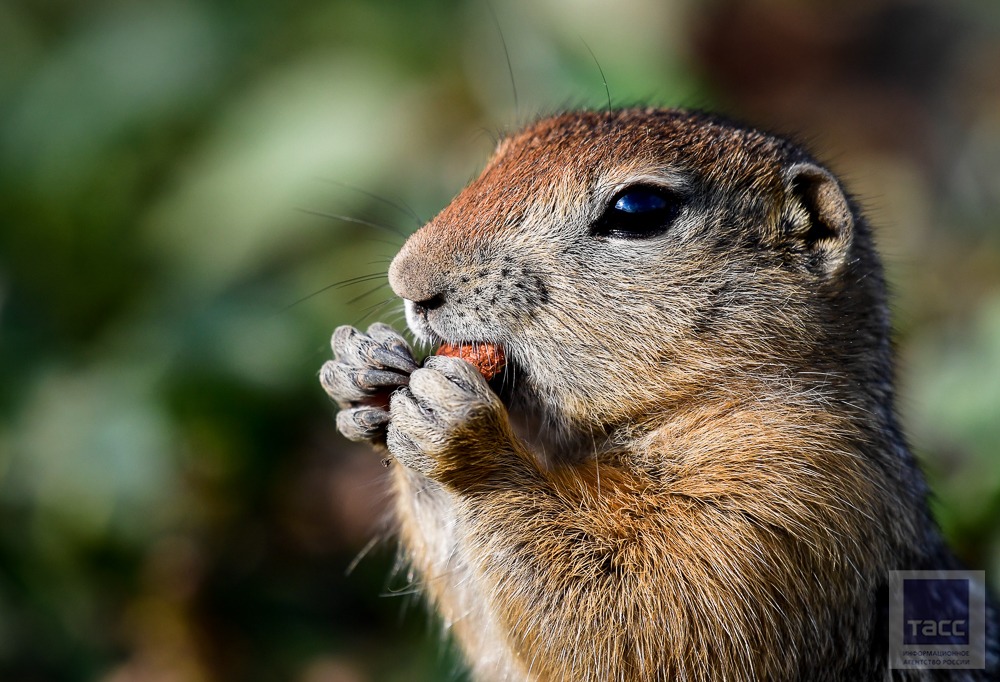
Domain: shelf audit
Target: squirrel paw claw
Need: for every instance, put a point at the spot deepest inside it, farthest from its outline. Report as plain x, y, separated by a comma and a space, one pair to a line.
365, 369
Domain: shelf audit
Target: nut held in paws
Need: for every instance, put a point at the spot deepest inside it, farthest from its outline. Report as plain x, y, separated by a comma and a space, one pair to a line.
488, 358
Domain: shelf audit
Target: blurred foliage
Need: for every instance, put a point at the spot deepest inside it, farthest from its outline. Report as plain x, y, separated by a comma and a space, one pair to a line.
174, 501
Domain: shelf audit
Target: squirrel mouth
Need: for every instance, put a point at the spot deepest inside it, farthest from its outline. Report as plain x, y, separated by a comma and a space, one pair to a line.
508, 384
416, 320
503, 374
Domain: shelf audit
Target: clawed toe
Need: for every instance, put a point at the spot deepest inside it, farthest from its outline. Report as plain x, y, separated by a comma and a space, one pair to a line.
387, 349
362, 423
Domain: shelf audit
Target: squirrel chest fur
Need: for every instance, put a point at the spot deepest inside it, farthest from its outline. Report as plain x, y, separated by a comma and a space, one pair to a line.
693, 316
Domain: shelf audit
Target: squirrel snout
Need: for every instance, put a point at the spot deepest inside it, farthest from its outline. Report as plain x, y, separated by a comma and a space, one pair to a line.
415, 281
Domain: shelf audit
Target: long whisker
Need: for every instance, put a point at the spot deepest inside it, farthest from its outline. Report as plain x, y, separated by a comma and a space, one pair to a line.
394, 245
510, 70
358, 221
374, 309
359, 278
370, 291
361, 555
494, 138
603, 77
335, 285
407, 211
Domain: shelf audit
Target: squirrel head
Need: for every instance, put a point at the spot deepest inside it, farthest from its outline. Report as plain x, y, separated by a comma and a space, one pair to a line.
629, 261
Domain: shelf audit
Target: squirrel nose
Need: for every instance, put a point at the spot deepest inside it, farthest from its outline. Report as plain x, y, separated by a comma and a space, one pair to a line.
429, 304
414, 279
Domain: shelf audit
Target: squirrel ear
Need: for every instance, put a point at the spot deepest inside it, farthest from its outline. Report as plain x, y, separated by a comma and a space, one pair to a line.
818, 215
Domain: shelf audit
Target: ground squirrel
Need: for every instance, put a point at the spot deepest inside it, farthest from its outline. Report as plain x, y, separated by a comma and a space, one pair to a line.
694, 317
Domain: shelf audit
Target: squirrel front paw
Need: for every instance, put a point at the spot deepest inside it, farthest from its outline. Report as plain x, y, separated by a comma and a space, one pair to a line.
445, 419
366, 368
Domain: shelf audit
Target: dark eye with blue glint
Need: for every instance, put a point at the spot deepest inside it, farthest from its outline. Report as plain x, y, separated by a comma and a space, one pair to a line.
640, 201
638, 213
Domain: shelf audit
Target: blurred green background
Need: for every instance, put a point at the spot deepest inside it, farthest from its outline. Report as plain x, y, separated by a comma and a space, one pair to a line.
175, 504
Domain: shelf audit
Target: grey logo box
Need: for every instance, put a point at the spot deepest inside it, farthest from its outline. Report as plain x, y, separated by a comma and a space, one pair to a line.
937, 619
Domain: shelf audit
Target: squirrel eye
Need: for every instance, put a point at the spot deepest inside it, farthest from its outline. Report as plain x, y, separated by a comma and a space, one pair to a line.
637, 213
639, 202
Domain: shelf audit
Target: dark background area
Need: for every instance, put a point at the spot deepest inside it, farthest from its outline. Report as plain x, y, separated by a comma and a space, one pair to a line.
175, 504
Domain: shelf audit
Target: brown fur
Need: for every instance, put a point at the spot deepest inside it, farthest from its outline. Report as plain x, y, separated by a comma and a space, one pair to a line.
720, 486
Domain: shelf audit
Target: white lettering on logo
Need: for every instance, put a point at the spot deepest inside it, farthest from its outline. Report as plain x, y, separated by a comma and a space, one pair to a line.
936, 628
